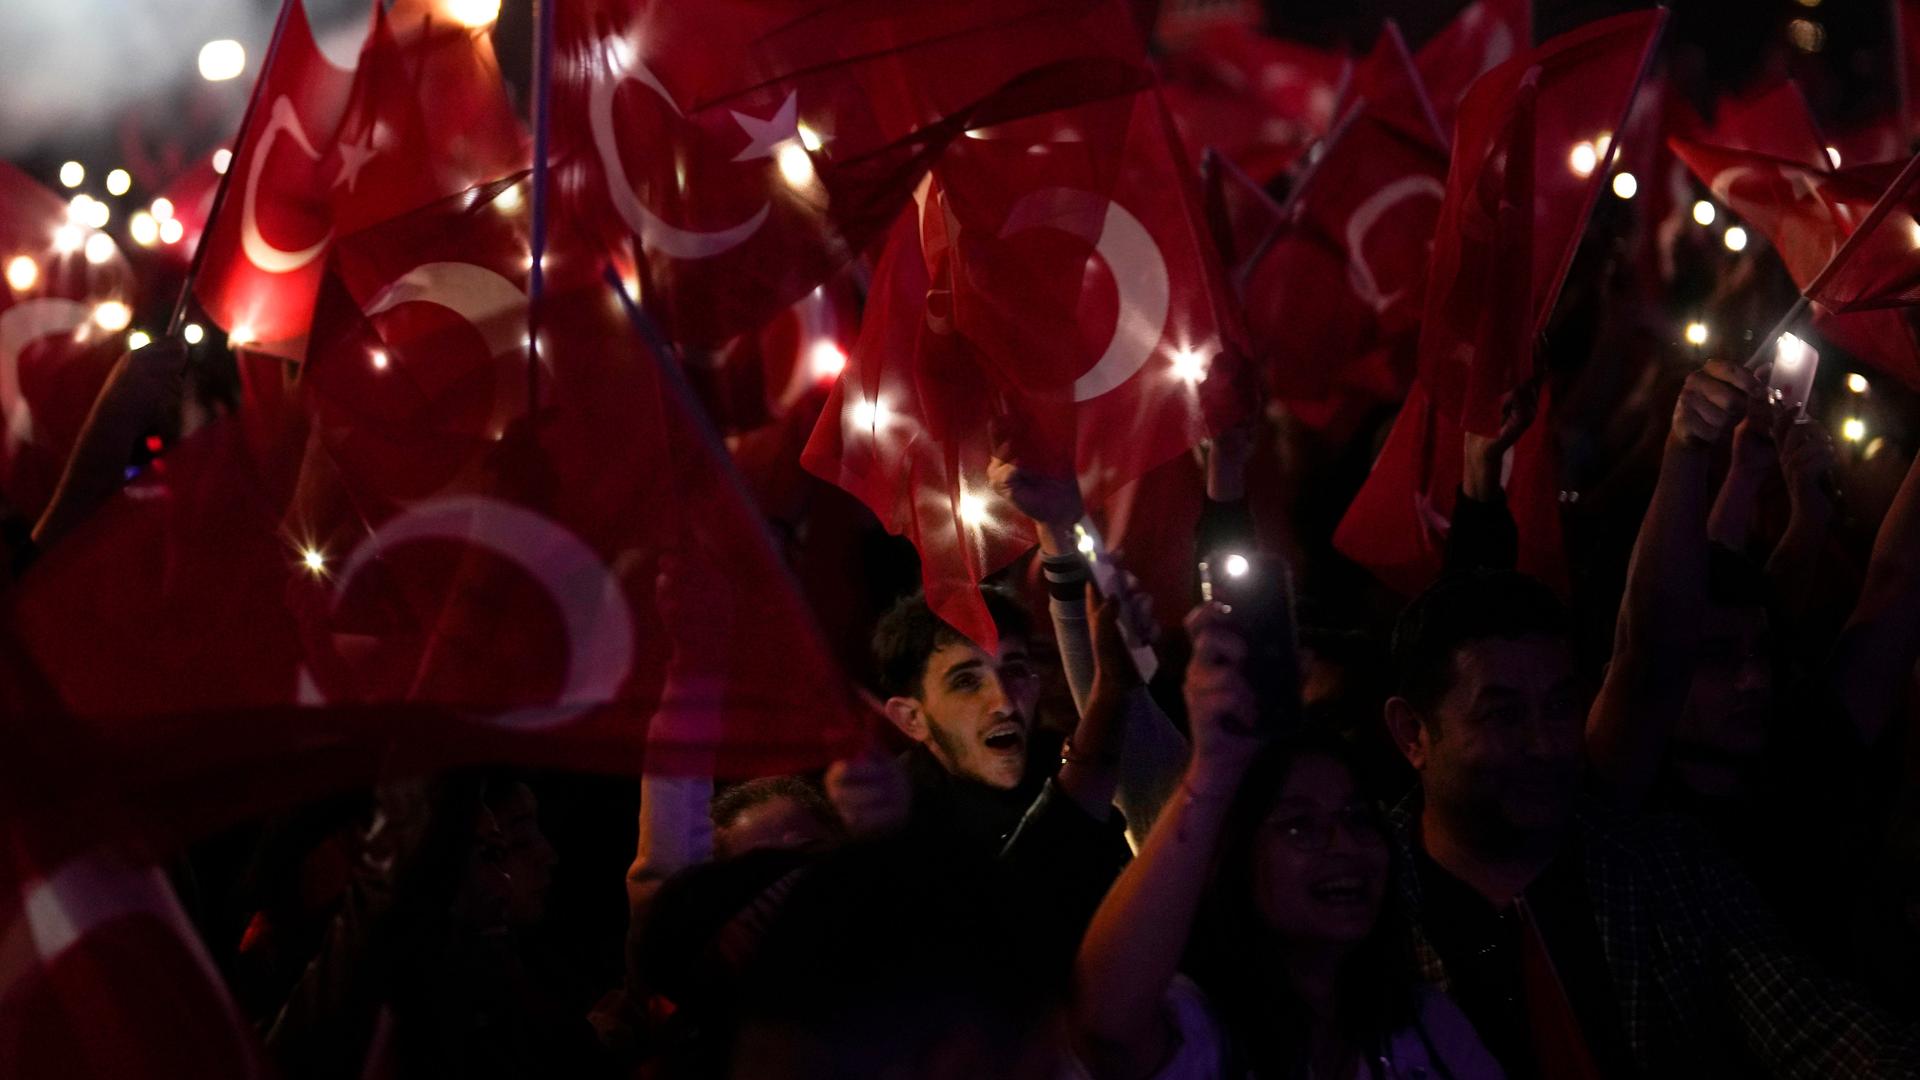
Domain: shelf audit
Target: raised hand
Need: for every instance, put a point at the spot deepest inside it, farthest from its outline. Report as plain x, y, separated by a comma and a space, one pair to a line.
1715, 399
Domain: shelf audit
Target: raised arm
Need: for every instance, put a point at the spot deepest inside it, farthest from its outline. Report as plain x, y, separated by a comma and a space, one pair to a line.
1876, 651
1484, 536
1133, 946
1794, 568
1656, 634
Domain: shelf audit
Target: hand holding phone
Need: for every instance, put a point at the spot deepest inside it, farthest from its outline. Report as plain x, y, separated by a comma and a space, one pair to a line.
1255, 593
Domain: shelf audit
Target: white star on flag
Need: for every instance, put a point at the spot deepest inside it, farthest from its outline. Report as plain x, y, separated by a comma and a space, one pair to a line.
767, 135
353, 158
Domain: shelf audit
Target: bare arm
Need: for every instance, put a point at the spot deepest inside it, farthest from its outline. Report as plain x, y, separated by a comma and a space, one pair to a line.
1656, 633
1876, 651
1794, 567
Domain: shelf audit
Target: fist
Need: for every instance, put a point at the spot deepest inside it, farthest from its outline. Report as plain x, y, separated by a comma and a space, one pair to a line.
1714, 399
1046, 499
1221, 706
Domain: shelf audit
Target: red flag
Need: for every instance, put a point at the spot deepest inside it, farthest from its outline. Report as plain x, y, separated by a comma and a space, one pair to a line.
1397, 525
752, 149
57, 341
1774, 120
1346, 276
1053, 286
1260, 101
1486, 34
266, 252
1241, 217
1534, 133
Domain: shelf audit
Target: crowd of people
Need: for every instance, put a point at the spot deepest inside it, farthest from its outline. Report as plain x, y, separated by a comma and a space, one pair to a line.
1660, 819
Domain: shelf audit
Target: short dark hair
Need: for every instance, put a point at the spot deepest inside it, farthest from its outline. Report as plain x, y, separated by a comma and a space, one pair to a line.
728, 805
1459, 610
909, 634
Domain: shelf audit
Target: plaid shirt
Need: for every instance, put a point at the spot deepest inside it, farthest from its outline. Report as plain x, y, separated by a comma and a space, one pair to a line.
1698, 961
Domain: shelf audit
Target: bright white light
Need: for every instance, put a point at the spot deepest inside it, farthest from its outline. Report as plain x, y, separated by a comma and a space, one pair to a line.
77, 208
162, 209
1085, 543
1833, 155
1704, 212
241, 334
871, 415
171, 231
68, 238
119, 182
193, 333
1584, 159
22, 272
99, 248
316, 562
112, 316
1624, 185
1601, 144
1854, 429
139, 339
1736, 239
143, 228
222, 59
827, 360
1237, 566
73, 174
378, 357
508, 199
796, 168
973, 510
1189, 365
1696, 333
1857, 382
222, 158
810, 138
1790, 351
474, 13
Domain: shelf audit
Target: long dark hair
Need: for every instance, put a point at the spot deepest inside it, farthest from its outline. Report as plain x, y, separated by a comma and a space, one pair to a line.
1232, 952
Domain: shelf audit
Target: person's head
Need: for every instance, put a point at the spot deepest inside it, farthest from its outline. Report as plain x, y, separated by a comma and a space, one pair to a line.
973, 710
773, 812
1723, 728
1488, 710
520, 851
1301, 877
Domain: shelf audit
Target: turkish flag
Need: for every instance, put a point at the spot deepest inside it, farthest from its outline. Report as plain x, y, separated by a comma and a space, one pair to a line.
1054, 287
1241, 217
752, 149
1397, 524
1346, 275
425, 120
54, 353
758, 378
1516, 206
1258, 100
101, 974
190, 194
1484, 35
1774, 120
265, 254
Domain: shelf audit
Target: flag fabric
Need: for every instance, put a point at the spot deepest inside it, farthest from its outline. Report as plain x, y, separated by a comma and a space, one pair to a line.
1484, 35
55, 350
1053, 287
1516, 205
1775, 120
588, 587
750, 150
1397, 525
1346, 274
1241, 217
266, 252
1259, 101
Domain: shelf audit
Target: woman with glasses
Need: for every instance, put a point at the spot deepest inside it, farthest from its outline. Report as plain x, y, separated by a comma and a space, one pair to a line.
1252, 936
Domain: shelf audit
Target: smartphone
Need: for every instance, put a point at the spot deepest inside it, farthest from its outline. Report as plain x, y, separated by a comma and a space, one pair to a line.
1256, 592
1109, 581
1791, 381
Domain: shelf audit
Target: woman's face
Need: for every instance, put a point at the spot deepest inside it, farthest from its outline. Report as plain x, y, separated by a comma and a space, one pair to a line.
1320, 857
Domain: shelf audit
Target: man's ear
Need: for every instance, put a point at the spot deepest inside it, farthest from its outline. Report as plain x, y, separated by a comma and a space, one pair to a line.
1407, 732
906, 715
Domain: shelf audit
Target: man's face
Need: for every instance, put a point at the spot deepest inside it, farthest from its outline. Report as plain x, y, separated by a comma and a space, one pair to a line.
1724, 725
978, 709
526, 858
1500, 755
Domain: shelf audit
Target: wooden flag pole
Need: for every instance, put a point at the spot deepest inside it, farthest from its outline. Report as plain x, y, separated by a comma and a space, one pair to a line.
179, 315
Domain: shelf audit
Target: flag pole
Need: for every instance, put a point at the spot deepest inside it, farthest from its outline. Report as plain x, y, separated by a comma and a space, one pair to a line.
179, 315
1867, 224
543, 12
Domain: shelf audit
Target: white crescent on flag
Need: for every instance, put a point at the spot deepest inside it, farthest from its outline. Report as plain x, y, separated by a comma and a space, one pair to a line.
624, 63
495, 306
1361, 223
1139, 275
258, 250
21, 325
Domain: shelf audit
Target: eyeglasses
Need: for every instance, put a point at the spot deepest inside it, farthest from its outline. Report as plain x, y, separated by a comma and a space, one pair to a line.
1314, 832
